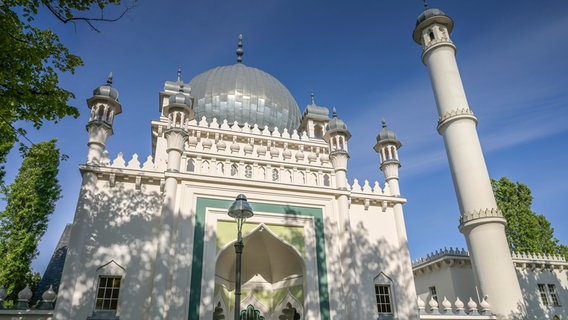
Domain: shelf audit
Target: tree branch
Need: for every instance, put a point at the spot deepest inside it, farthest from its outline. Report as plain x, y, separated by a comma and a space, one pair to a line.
87, 20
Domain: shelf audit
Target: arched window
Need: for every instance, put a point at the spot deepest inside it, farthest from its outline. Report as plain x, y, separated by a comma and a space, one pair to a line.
234, 170
326, 181
275, 175
190, 165
318, 132
248, 171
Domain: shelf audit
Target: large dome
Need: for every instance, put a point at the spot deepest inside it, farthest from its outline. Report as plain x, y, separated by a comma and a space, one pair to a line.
244, 94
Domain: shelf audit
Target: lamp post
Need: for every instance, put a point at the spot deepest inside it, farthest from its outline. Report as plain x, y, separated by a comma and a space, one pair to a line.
240, 210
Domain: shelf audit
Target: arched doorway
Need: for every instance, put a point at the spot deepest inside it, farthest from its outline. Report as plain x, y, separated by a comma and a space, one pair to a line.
273, 274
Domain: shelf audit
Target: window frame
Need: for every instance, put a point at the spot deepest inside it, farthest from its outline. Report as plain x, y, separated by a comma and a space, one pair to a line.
384, 304
109, 270
433, 293
106, 288
548, 295
384, 281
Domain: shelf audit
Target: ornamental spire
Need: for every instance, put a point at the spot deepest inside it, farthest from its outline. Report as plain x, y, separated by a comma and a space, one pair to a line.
179, 73
109, 79
240, 51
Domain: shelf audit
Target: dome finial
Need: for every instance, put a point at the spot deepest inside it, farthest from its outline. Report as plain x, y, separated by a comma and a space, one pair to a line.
425, 4
109, 79
179, 73
334, 111
240, 51
384, 123
313, 100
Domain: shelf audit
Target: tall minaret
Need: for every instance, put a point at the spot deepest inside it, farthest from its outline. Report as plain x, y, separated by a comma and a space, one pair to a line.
337, 135
104, 106
481, 222
387, 146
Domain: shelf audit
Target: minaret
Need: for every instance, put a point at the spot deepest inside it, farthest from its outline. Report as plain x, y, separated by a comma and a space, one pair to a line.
179, 111
481, 222
104, 106
387, 147
337, 135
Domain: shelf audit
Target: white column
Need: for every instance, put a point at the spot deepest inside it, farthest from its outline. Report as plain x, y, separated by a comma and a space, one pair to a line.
484, 233
161, 293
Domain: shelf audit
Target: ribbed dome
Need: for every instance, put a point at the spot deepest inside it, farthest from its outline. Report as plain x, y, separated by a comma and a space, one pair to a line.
106, 90
244, 94
428, 13
387, 136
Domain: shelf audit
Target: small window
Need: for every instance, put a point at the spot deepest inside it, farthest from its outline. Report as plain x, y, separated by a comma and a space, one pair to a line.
318, 132
234, 170
107, 293
190, 165
248, 172
431, 35
553, 295
433, 293
383, 296
326, 181
548, 295
275, 175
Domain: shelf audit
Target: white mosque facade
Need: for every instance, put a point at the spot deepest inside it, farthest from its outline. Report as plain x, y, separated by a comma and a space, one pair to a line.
152, 238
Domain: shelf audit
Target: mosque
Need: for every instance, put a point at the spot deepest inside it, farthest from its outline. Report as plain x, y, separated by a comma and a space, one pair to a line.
244, 204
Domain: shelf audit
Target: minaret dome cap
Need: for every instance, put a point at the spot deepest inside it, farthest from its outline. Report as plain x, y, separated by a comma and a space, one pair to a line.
180, 98
335, 123
429, 16
387, 136
107, 90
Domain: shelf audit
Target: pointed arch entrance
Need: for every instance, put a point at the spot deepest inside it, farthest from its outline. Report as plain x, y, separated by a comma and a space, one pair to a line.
273, 271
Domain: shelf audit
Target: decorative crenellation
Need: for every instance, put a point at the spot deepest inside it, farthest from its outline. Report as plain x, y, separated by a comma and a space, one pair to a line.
457, 252
236, 140
367, 189
481, 213
456, 310
538, 257
539, 261
25, 295
456, 113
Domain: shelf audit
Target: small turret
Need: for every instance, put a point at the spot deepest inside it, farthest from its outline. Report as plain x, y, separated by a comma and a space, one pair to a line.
179, 111
336, 136
314, 120
104, 107
387, 146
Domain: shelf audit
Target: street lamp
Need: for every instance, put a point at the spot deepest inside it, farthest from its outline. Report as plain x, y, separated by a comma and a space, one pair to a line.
240, 210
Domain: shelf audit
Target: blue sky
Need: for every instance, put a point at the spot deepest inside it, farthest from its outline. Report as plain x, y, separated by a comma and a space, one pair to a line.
359, 57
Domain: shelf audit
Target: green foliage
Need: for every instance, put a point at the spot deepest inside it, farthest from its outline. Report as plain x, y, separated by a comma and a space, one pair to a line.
526, 230
30, 61
30, 200
7, 140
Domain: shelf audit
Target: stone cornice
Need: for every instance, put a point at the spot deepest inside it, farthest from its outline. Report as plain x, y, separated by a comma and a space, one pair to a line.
455, 114
436, 44
480, 214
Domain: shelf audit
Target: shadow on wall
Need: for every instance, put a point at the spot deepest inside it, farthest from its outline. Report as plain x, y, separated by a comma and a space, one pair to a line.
121, 225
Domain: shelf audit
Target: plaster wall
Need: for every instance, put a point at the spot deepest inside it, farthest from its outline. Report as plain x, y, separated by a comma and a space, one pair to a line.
121, 224
450, 281
529, 279
378, 251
